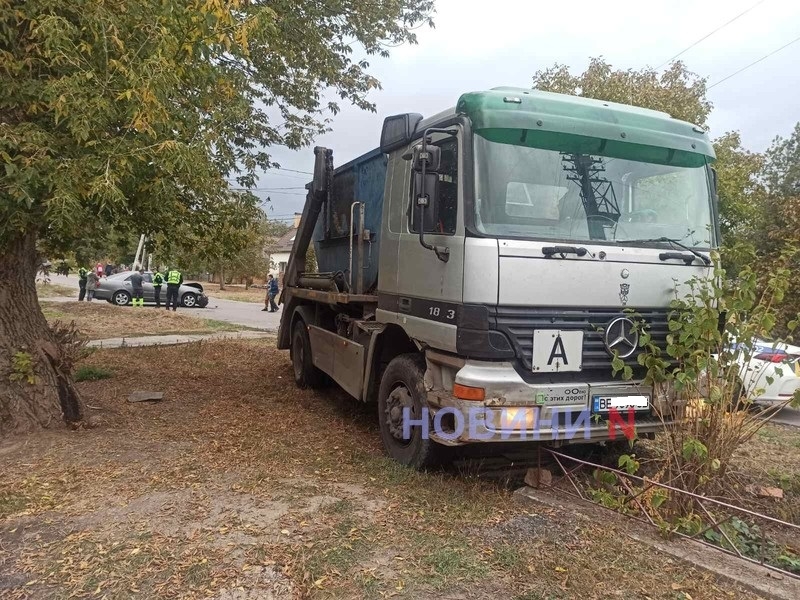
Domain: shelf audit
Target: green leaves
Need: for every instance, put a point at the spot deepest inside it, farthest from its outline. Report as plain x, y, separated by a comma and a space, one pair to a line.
676, 91
694, 449
141, 112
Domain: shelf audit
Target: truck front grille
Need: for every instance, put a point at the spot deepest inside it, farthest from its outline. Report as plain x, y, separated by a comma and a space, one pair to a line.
518, 324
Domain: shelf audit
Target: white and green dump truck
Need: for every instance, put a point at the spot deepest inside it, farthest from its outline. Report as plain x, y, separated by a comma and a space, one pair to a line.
474, 271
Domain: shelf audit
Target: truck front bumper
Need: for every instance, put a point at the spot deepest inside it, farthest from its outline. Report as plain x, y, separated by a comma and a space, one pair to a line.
569, 413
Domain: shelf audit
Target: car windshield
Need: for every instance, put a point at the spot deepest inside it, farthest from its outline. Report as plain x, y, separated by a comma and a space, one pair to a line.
581, 196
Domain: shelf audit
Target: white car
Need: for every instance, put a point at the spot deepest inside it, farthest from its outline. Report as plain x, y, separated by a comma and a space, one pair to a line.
773, 362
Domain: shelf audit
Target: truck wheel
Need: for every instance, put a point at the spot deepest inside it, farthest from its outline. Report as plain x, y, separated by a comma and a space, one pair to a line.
402, 386
306, 375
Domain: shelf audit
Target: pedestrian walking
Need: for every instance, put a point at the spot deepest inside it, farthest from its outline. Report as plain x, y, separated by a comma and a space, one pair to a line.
138, 289
272, 293
158, 281
82, 272
91, 285
174, 281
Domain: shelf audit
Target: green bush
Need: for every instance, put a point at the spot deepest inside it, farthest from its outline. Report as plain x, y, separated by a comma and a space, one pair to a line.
92, 373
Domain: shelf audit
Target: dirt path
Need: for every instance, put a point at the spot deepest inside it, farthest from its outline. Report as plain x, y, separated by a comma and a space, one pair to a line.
238, 485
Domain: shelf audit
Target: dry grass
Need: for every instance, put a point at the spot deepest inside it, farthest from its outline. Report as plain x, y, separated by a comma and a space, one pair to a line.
235, 292
100, 320
240, 481
53, 290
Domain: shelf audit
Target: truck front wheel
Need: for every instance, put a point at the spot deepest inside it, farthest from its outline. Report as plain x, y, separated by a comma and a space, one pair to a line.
401, 398
305, 373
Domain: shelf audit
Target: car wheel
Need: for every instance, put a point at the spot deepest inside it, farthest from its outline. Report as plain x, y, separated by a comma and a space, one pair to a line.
189, 300
121, 298
402, 387
306, 375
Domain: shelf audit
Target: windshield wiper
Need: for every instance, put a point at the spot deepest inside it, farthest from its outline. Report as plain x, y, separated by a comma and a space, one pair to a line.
550, 251
704, 258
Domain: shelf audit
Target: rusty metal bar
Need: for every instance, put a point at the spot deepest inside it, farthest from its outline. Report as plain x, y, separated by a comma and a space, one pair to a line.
639, 504
678, 490
714, 524
701, 500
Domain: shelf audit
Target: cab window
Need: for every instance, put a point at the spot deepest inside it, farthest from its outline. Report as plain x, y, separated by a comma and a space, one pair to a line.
447, 199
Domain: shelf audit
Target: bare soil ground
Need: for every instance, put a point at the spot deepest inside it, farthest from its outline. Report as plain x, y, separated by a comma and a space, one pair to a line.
241, 486
100, 320
235, 292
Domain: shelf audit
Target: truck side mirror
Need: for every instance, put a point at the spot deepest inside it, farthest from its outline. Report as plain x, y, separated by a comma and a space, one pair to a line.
431, 157
425, 202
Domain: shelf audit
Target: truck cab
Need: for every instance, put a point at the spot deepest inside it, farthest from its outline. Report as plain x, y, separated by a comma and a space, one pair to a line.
482, 268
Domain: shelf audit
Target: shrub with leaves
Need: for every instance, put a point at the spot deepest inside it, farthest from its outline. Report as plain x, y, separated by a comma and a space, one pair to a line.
716, 325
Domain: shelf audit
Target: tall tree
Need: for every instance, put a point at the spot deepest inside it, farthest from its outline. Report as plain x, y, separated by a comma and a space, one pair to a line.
778, 231
676, 91
740, 187
136, 112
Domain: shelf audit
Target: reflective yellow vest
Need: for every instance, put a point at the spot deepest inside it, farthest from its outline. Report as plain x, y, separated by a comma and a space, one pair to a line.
158, 279
174, 277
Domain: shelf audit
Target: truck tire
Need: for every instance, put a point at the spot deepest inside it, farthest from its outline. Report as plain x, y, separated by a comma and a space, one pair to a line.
402, 386
306, 375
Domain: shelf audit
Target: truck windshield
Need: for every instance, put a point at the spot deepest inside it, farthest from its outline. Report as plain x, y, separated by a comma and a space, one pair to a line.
546, 194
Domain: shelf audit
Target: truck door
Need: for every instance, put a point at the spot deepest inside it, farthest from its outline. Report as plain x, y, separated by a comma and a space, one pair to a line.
429, 290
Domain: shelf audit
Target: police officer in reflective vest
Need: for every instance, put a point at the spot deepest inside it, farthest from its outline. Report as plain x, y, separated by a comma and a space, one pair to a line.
158, 281
82, 273
174, 281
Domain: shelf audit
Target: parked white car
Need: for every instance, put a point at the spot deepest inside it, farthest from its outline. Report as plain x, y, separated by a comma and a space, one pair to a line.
773, 362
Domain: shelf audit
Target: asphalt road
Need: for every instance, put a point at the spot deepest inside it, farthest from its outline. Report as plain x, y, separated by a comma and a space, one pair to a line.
250, 315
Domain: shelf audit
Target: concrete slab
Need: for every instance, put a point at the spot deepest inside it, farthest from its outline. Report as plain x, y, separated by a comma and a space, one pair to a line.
172, 340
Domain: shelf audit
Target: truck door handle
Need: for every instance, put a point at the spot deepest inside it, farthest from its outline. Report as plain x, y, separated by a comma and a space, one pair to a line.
404, 305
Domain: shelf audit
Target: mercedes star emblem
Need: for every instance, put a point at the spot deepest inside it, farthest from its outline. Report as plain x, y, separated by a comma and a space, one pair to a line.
621, 337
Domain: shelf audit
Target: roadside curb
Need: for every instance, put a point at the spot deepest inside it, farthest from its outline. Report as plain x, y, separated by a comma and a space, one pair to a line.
749, 576
174, 340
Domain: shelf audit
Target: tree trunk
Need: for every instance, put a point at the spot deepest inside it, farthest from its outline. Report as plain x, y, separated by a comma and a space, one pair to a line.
221, 278
36, 389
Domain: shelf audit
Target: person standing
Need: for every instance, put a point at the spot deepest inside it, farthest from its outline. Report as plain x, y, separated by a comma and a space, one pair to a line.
158, 281
174, 281
99, 270
138, 289
91, 285
82, 272
272, 293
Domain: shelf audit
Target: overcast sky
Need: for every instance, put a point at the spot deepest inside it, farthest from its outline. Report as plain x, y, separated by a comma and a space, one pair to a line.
480, 45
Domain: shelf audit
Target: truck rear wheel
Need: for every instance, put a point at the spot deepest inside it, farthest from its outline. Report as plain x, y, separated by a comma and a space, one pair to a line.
402, 387
306, 375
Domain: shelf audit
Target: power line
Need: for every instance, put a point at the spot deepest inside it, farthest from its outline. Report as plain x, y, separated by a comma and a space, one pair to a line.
755, 62
708, 35
301, 172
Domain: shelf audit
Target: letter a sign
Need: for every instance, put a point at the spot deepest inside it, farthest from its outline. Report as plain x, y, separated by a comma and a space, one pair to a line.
556, 351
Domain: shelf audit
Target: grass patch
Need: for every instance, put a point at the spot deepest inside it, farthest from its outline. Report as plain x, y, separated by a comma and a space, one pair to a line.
11, 504
53, 290
453, 560
217, 488
100, 320
507, 557
235, 292
92, 373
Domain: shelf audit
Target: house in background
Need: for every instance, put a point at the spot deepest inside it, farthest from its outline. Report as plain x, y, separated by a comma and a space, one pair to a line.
280, 250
